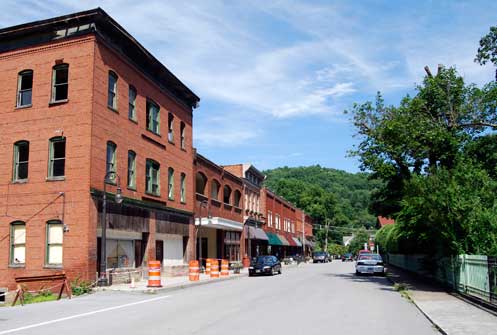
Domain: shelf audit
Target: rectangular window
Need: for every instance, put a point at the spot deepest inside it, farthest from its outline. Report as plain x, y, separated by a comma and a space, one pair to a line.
112, 92
21, 160
152, 177
60, 82
170, 184
170, 127
25, 88
153, 117
55, 233
183, 188
131, 169
132, 103
269, 219
183, 135
18, 243
111, 162
57, 160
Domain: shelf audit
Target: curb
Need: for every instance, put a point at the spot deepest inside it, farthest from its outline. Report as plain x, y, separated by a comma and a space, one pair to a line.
175, 287
440, 329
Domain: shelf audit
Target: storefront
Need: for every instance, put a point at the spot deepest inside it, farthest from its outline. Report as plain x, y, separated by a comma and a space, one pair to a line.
220, 238
258, 240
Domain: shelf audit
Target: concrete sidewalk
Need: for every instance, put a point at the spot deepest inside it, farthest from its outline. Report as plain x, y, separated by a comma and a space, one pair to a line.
176, 283
451, 315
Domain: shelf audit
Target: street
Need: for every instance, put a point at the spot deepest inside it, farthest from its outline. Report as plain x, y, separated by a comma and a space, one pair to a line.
309, 299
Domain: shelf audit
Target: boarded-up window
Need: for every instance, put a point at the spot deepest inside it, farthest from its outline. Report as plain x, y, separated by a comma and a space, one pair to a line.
17, 243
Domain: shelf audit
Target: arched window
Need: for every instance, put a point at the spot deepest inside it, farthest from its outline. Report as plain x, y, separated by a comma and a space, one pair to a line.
55, 232
60, 82
200, 183
111, 162
170, 127
227, 194
112, 91
238, 196
183, 188
18, 243
21, 161
132, 169
57, 157
182, 129
170, 183
132, 103
24, 88
215, 186
152, 177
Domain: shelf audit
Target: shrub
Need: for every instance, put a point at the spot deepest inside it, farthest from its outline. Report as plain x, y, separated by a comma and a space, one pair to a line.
80, 287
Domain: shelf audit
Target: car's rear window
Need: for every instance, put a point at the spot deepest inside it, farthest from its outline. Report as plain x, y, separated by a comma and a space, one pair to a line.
370, 257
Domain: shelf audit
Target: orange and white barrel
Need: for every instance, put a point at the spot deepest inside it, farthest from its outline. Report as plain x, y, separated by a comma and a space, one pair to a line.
225, 265
214, 268
154, 279
193, 271
208, 266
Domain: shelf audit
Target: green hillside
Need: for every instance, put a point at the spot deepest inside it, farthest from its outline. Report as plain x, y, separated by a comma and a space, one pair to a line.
326, 193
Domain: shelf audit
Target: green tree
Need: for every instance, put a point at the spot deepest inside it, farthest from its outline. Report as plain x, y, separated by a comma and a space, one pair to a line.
360, 237
487, 51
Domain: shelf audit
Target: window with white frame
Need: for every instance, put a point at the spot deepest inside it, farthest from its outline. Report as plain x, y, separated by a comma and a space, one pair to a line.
277, 222
132, 103
170, 127
131, 169
153, 117
152, 177
170, 183
183, 188
111, 162
182, 130
17, 243
55, 232
269, 219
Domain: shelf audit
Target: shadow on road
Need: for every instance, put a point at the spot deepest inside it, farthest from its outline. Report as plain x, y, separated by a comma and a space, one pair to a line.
384, 282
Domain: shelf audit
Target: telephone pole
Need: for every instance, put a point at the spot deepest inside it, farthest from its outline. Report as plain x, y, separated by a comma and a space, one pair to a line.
327, 221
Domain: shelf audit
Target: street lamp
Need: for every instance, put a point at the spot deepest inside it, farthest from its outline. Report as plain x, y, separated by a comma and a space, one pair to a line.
203, 204
103, 281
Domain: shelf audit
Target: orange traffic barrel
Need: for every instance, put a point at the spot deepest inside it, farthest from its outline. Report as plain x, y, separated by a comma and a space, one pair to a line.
154, 274
214, 268
208, 266
225, 268
193, 271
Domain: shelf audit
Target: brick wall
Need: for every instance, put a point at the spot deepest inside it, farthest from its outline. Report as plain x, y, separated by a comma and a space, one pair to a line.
37, 201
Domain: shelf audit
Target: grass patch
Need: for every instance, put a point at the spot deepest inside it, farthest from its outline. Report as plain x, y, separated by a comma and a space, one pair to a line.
43, 296
403, 289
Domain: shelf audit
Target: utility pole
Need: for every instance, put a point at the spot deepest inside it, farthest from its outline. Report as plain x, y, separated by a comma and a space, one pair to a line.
326, 241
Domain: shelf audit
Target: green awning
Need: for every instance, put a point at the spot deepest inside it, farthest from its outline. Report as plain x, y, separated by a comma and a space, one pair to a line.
273, 239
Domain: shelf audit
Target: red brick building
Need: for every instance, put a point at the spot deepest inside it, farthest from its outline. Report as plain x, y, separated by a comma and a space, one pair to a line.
283, 221
81, 97
253, 216
219, 211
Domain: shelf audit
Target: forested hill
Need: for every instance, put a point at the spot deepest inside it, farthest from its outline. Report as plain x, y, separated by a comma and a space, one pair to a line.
325, 192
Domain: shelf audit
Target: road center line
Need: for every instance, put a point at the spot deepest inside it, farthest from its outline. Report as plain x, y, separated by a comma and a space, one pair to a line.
9, 331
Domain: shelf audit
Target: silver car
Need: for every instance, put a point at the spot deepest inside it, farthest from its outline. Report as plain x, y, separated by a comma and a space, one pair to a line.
370, 264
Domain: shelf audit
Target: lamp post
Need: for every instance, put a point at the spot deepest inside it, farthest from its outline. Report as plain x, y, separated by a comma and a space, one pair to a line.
203, 204
103, 281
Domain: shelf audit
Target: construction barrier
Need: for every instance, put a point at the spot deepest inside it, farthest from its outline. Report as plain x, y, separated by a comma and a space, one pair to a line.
193, 271
225, 265
154, 279
214, 268
208, 266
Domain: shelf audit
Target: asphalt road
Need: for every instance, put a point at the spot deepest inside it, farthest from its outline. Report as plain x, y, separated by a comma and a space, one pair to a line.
310, 299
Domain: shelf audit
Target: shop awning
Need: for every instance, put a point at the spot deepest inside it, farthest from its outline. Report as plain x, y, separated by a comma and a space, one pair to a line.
310, 243
257, 233
219, 223
283, 240
291, 241
297, 241
273, 239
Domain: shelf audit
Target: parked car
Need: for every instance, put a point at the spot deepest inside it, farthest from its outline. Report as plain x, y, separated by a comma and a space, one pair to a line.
347, 258
321, 257
370, 264
265, 265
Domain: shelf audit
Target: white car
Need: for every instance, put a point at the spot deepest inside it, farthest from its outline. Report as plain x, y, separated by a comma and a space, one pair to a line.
370, 264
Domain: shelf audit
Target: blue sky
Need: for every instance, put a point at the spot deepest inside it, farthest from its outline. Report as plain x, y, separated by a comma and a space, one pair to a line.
274, 77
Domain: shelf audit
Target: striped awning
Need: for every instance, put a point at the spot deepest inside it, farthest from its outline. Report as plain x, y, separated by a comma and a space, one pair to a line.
273, 239
297, 241
283, 240
257, 233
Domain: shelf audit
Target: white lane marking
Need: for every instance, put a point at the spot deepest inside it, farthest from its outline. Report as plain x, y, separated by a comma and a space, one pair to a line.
81, 315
